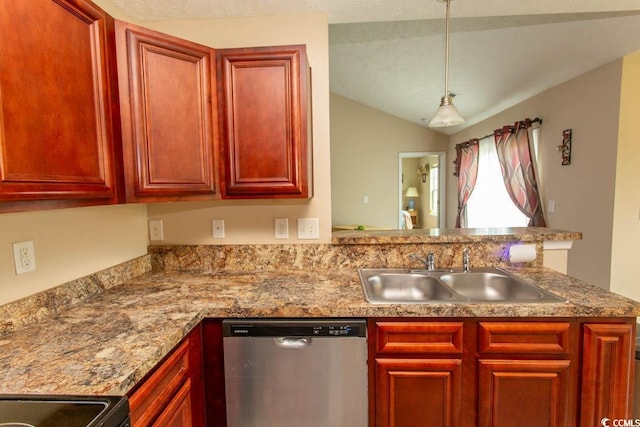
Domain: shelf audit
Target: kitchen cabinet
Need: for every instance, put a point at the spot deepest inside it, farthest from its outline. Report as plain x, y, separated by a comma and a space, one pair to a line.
526, 374
607, 372
172, 394
59, 128
417, 373
263, 120
169, 118
500, 372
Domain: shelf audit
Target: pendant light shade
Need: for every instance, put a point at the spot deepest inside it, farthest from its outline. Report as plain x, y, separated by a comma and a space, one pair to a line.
447, 114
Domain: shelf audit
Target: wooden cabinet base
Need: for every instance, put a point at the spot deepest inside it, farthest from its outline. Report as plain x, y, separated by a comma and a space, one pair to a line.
173, 393
500, 372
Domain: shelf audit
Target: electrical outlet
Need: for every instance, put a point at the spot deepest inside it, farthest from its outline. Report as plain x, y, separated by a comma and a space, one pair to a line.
308, 228
156, 231
282, 228
217, 228
24, 256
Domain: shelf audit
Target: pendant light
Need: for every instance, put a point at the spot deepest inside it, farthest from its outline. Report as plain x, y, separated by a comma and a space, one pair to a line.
447, 114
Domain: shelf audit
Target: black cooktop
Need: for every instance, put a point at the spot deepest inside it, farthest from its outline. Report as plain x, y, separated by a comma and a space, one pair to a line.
63, 411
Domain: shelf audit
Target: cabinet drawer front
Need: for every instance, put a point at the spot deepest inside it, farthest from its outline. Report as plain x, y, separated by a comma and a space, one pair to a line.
419, 337
524, 337
153, 396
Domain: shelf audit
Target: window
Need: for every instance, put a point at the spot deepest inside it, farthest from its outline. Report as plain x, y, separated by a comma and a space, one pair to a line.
490, 204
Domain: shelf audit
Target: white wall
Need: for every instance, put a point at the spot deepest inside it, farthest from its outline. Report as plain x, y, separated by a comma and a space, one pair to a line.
583, 191
69, 244
625, 268
365, 145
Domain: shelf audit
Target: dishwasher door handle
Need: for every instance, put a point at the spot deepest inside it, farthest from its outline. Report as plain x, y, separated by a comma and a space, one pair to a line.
293, 342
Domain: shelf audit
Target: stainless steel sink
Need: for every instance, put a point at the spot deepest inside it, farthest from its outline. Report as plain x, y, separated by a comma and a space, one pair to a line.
479, 285
404, 286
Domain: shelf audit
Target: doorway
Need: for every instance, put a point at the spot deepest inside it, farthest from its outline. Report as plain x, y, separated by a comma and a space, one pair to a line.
421, 173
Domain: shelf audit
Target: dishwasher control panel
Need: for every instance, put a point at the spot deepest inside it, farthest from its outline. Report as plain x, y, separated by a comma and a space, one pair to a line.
279, 328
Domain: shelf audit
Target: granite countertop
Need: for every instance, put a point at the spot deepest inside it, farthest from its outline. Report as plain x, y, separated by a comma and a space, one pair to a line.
106, 344
453, 235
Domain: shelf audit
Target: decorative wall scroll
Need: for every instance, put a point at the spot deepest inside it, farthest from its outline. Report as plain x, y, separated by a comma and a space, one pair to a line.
565, 148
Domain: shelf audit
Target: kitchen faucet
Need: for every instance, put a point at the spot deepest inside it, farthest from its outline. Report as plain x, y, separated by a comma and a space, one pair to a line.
429, 262
465, 260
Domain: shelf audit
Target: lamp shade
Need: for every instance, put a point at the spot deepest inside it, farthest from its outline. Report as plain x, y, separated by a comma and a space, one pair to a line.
446, 115
411, 192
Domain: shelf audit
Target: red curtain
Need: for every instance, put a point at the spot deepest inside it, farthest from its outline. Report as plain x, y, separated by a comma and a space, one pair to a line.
514, 154
467, 173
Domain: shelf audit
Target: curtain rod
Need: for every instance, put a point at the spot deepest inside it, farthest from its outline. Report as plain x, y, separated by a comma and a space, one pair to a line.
520, 123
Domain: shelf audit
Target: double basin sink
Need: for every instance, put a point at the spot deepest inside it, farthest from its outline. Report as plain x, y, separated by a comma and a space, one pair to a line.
389, 286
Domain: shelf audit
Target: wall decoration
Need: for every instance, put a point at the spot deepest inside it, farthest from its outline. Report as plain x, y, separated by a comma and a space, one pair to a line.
565, 148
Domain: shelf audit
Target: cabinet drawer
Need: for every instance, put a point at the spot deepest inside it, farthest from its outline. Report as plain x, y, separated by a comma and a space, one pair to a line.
419, 337
159, 389
524, 337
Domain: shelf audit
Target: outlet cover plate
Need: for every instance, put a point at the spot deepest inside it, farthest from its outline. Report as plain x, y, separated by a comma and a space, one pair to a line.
281, 228
156, 230
217, 228
24, 256
308, 228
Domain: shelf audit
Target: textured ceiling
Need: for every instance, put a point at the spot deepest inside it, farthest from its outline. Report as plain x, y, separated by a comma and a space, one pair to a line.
388, 54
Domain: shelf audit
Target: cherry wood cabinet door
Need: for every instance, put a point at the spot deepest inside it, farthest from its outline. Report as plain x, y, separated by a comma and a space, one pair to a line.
58, 91
418, 392
525, 393
178, 410
607, 372
172, 394
168, 114
263, 116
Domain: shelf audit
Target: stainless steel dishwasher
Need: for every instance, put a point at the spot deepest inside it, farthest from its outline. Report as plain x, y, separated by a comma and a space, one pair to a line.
293, 373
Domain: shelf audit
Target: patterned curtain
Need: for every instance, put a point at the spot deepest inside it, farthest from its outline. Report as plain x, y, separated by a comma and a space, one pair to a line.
514, 154
467, 173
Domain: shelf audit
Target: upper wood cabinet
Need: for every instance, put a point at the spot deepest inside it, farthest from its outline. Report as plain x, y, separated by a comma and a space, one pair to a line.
58, 131
263, 118
168, 113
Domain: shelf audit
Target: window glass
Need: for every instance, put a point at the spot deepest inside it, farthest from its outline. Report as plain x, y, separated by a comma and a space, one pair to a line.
490, 204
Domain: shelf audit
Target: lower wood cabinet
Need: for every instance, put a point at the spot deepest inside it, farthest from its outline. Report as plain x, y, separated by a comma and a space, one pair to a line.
436, 373
418, 389
525, 393
607, 372
172, 394
500, 372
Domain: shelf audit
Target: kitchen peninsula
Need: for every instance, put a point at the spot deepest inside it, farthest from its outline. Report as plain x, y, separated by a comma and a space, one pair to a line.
104, 334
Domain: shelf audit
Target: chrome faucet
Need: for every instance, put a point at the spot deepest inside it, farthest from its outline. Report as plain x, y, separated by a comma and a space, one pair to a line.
465, 260
429, 262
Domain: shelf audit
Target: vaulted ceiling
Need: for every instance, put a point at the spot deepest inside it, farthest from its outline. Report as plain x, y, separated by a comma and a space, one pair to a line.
389, 54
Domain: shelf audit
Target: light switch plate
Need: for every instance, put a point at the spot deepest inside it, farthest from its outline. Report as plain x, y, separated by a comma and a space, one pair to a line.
217, 228
308, 228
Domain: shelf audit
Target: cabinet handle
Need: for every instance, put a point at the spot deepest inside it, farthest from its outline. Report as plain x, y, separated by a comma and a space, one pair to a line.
293, 342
